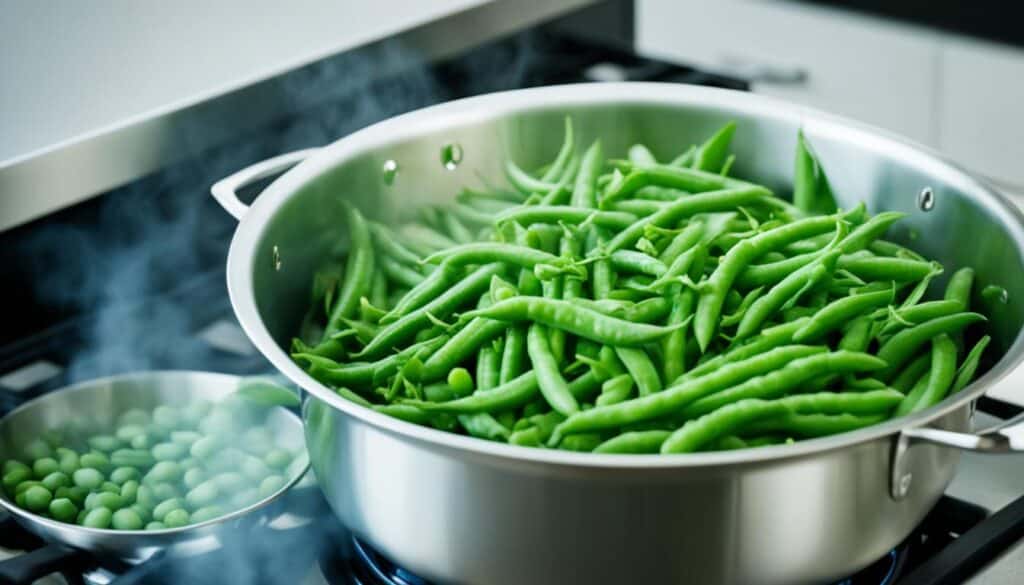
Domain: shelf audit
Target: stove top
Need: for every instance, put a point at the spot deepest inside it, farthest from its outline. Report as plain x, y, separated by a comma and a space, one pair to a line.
134, 280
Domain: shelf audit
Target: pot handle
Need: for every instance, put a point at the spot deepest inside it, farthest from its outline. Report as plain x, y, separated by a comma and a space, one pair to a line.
1006, 437
225, 191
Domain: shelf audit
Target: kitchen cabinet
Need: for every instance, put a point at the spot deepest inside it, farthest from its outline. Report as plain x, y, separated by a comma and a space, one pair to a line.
861, 67
981, 98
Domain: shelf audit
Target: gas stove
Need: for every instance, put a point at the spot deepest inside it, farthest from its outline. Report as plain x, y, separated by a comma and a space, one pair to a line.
133, 280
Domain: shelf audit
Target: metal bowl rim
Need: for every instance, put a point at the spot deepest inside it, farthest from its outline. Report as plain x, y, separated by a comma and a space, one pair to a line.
172, 533
249, 233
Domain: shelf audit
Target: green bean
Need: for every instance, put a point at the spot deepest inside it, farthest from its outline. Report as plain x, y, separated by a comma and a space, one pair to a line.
615, 390
573, 319
523, 181
585, 386
550, 214
676, 397
940, 378
641, 155
965, 374
672, 213
901, 346
813, 425
786, 292
917, 314
389, 243
429, 288
857, 336
631, 261
461, 346
686, 239
638, 207
692, 180
882, 268
674, 344
400, 273
839, 312
906, 379
959, 287
634, 442
641, 368
552, 385
486, 252
513, 354
584, 193
709, 305
440, 307
514, 393
770, 338
792, 375
738, 415
358, 271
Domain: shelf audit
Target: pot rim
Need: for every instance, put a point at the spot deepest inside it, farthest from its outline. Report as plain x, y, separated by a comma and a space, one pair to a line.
496, 105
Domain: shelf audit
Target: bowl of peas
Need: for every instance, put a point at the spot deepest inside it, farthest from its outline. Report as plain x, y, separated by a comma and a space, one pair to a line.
131, 464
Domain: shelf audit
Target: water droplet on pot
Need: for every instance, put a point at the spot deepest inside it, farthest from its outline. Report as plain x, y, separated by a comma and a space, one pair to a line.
275, 254
451, 155
390, 170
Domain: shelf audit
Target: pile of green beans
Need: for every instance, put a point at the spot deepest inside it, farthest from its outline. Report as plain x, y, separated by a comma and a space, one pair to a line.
637, 306
155, 470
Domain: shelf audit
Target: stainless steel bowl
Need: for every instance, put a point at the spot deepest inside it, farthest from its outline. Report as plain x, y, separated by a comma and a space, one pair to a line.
96, 404
461, 510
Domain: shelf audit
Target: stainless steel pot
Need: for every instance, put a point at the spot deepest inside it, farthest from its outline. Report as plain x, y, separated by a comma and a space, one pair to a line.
96, 404
460, 510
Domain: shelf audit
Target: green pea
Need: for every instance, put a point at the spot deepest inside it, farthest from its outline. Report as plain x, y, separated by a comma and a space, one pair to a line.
37, 449
145, 497
15, 476
164, 471
271, 485
195, 411
63, 509
68, 461
38, 498
104, 443
110, 487
206, 513
219, 422
189, 463
142, 511
57, 479
203, 494
97, 518
277, 458
230, 481
129, 432
205, 447
166, 417
126, 519
87, 478
81, 516
123, 474
54, 438
257, 440
95, 460
193, 477
130, 491
164, 491
12, 464
176, 518
131, 458
169, 451
27, 484
20, 500
74, 493
227, 459
141, 442
134, 416
245, 498
104, 500
156, 526
166, 506
185, 438
255, 469
45, 466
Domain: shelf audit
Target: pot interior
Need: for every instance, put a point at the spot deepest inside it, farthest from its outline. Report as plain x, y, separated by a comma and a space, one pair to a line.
463, 144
